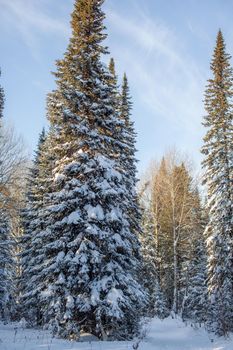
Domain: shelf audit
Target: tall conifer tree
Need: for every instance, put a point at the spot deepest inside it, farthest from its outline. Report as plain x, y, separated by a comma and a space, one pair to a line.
114, 81
6, 260
91, 254
30, 242
149, 271
128, 158
218, 166
126, 136
2, 98
195, 294
129, 135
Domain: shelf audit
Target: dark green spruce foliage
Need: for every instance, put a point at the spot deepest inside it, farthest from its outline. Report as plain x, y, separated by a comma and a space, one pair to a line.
114, 83
126, 138
32, 244
218, 166
88, 281
127, 158
149, 271
195, 305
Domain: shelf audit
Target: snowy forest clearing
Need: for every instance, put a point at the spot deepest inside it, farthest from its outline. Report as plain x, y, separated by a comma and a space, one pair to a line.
83, 248
170, 334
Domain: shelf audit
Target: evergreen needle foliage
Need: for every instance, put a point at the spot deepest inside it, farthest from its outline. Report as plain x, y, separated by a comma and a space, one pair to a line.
87, 250
90, 259
218, 166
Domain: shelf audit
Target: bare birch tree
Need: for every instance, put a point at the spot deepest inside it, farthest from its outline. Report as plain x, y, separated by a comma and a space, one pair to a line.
171, 194
12, 174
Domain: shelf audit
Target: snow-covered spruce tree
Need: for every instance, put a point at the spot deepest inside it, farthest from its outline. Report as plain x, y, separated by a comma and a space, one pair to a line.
2, 98
129, 135
194, 289
29, 214
218, 166
149, 268
160, 304
33, 220
4, 228
149, 271
126, 139
114, 83
128, 159
195, 300
91, 255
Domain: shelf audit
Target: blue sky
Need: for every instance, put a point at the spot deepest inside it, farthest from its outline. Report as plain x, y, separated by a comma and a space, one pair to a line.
165, 47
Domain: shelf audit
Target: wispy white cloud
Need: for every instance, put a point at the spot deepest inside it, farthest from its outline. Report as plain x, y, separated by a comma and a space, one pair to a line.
167, 78
30, 19
164, 76
167, 81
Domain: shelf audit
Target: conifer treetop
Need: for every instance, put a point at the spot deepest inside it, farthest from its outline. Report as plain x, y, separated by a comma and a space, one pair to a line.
42, 137
85, 211
220, 59
126, 106
84, 89
87, 29
218, 105
219, 88
112, 67
41, 141
113, 82
218, 165
112, 70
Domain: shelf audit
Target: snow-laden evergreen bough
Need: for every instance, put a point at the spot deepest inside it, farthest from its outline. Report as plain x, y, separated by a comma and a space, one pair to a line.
87, 279
195, 306
126, 139
157, 305
32, 222
218, 166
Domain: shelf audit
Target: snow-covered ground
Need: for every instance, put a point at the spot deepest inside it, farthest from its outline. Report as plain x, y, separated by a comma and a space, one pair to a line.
169, 334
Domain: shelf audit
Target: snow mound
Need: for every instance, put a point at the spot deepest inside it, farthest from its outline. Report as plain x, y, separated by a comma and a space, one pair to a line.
169, 334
